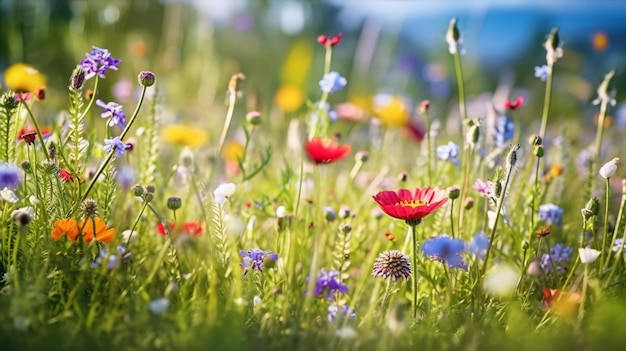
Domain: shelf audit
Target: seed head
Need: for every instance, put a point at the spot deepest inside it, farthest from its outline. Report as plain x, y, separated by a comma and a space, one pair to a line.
89, 208
77, 79
392, 264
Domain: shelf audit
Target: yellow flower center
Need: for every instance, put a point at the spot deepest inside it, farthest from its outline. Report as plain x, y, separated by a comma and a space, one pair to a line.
412, 203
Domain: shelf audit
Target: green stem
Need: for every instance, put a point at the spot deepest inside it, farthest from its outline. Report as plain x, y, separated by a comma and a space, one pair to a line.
464, 187
459, 81
414, 264
617, 260
581, 311
132, 229
600, 133
429, 166
452, 218
546, 102
93, 98
618, 224
607, 195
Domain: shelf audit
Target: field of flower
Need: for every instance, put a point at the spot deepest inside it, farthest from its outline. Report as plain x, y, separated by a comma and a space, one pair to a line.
212, 210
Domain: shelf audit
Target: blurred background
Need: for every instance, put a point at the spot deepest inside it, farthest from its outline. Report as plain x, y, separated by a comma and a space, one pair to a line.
394, 47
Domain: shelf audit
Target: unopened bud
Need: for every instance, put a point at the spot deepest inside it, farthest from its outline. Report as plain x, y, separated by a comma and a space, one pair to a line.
345, 228
25, 166
331, 215
511, 158
454, 192
41, 94
362, 156
77, 79
535, 140
344, 212
138, 190
146, 78
469, 203
402, 177
174, 203
534, 269
150, 188
424, 107
234, 85
591, 208
253, 118
538, 151
9, 101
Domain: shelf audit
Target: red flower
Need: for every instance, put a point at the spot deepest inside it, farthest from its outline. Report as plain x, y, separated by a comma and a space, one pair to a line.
193, 228
330, 41
45, 131
415, 132
29, 138
65, 175
515, 104
326, 151
411, 206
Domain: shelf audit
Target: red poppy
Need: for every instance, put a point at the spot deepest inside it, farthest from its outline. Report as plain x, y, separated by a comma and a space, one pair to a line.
330, 40
326, 151
65, 175
514, 105
29, 138
193, 228
45, 132
411, 206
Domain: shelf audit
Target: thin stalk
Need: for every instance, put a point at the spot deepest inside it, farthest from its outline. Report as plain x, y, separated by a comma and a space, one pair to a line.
581, 311
617, 261
452, 219
229, 117
414, 264
607, 195
132, 229
93, 97
465, 185
36, 125
546, 101
618, 224
600, 133
429, 161
459, 81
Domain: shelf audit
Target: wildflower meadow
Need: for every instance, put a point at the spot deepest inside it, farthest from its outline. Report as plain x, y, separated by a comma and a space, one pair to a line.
212, 210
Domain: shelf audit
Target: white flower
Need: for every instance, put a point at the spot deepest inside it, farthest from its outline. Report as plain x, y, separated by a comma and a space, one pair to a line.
8, 195
256, 301
281, 211
346, 333
501, 280
588, 255
34, 200
23, 215
223, 192
609, 168
129, 235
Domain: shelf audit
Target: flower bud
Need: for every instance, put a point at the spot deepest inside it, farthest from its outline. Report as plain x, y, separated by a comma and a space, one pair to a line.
535, 140
538, 151
9, 101
41, 94
609, 168
25, 166
330, 214
591, 208
174, 203
469, 203
424, 107
525, 244
362, 156
147, 197
146, 78
454, 192
253, 118
77, 79
345, 228
344, 212
453, 37
473, 134
150, 188
511, 158
89, 208
402, 177
234, 85
138, 190
534, 269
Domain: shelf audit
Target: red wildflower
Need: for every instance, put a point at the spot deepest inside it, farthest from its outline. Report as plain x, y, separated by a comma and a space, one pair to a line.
515, 104
326, 151
193, 228
329, 40
65, 175
562, 303
414, 131
45, 131
29, 138
409, 206
41, 94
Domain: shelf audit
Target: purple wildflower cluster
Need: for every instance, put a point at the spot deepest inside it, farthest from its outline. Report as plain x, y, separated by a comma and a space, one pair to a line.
115, 144
340, 313
327, 284
557, 259
97, 62
255, 259
551, 214
112, 260
114, 112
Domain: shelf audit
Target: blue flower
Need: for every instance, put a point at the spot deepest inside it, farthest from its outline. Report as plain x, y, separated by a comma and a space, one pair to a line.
327, 284
158, 306
98, 61
445, 249
551, 213
449, 152
541, 72
479, 244
10, 176
619, 243
340, 313
126, 177
114, 112
113, 260
504, 131
558, 257
255, 258
332, 82
115, 144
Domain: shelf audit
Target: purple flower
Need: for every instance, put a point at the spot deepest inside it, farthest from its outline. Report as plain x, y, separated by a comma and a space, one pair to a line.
445, 249
114, 144
484, 188
332, 82
504, 131
558, 257
551, 213
326, 284
392, 264
449, 152
541, 72
619, 244
98, 61
113, 260
10, 176
126, 177
255, 258
114, 112
479, 244
340, 313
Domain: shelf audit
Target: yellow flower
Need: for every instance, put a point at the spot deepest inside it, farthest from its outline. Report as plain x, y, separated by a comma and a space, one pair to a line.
289, 98
392, 110
185, 135
232, 151
23, 78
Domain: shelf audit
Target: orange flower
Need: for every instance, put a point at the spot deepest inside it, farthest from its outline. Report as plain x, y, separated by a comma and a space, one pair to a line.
562, 303
554, 172
95, 227
65, 226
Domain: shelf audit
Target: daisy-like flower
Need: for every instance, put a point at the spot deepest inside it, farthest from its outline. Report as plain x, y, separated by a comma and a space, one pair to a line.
255, 258
327, 284
391, 110
114, 144
95, 227
411, 206
449, 152
114, 112
445, 249
588, 255
484, 188
326, 151
332, 82
392, 264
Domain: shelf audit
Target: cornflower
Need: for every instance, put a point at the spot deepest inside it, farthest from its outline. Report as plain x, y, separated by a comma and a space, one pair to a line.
98, 61
558, 257
449, 152
445, 249
114, 112
10, 176
327, 284
115, 144
551, 213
